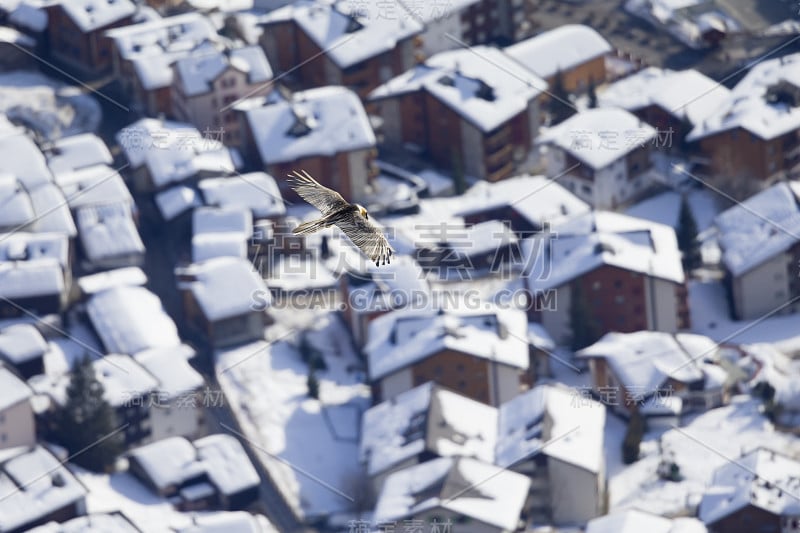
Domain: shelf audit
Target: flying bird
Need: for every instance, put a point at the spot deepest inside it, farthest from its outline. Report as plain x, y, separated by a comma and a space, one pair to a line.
352, 219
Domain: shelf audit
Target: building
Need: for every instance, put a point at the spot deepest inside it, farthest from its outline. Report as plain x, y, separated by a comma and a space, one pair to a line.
17, 424
220, 298
22, 347
143, 55
468, 494
555, 438
483, 354
421, 424
474, 111
257, 192
657, 373
753, 134
575, 52
635, 521
165, 153
753, 493
76, 33
209, 81
673, 102
37, 488
220, 232
760, 251
326, 42
213, 472
324, 131
602, 155
627, 272
115, 521
35, 273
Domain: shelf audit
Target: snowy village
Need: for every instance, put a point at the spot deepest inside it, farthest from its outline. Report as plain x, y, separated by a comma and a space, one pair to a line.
543, 274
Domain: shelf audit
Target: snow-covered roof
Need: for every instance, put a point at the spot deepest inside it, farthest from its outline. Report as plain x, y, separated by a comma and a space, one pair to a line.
427, 418
108, 232
94, 186
223, 522
35, 247
223, 287
123, 379
16, 37
20, 343
154, 46
340, 30
51, 210
464, 486
198, 70
76, 152
34, 484
762, 478
599, 137
23, 159
91, 15
759, 228
685, 94
127, 276
22, 279
104, 522
599, 238
227, 463
131, 319
16, 208
28, 14
220, 232
536, 198
404, 337
636, 521
173, 151
176, 200
561, 48
643, 361
482, 84
174, 460
318, 122
547, 419
256, 191
14, 389
172, 370
748, 106
169, 461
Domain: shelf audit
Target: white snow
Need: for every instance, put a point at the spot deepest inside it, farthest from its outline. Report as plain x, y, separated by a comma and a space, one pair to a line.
341, 30
20, 343
227, 463
176, 200
562, 48
108, 234
172, 370
94, 186
130, 320
483, 84
92, 15
325, 121
224, 287
220, 232
77, 151
14, 389
94, 283
257, 192
198, 70
265, 385
599, 137
51, 210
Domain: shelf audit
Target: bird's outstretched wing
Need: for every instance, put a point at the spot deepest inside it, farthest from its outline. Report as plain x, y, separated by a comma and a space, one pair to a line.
321, 197
367, 236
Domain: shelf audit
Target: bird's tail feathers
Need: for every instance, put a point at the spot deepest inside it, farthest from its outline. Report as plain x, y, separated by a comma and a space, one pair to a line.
310, 227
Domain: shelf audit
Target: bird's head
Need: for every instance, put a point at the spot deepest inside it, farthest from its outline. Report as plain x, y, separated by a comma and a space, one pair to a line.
363, 211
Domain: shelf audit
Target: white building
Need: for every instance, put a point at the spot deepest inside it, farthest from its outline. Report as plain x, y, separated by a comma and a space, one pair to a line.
759, 241
423, 423
473, 496
602, 155
556, 439
209, 81
17, 425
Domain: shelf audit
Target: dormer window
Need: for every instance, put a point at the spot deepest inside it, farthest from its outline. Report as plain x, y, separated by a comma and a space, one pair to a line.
485, 91
447, 80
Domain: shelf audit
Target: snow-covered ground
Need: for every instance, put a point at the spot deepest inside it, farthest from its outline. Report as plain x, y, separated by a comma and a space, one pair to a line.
665, 207
709, 316
46, 105
699, 448
309, 447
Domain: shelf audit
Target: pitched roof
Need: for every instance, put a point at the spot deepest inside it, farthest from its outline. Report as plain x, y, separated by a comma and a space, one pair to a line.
562, 48
90, 15
483, 84
200, 68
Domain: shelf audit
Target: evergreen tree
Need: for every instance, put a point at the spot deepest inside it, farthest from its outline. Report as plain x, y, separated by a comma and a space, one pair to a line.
560, 105
687, 237
582, 323
592, 93
312, 383
459, 180
86, 424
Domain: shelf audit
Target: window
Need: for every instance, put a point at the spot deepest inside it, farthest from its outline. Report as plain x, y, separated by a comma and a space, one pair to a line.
620, 299
596, 286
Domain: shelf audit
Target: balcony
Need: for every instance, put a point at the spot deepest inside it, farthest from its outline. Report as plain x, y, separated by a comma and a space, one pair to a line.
499, 173
500, 157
